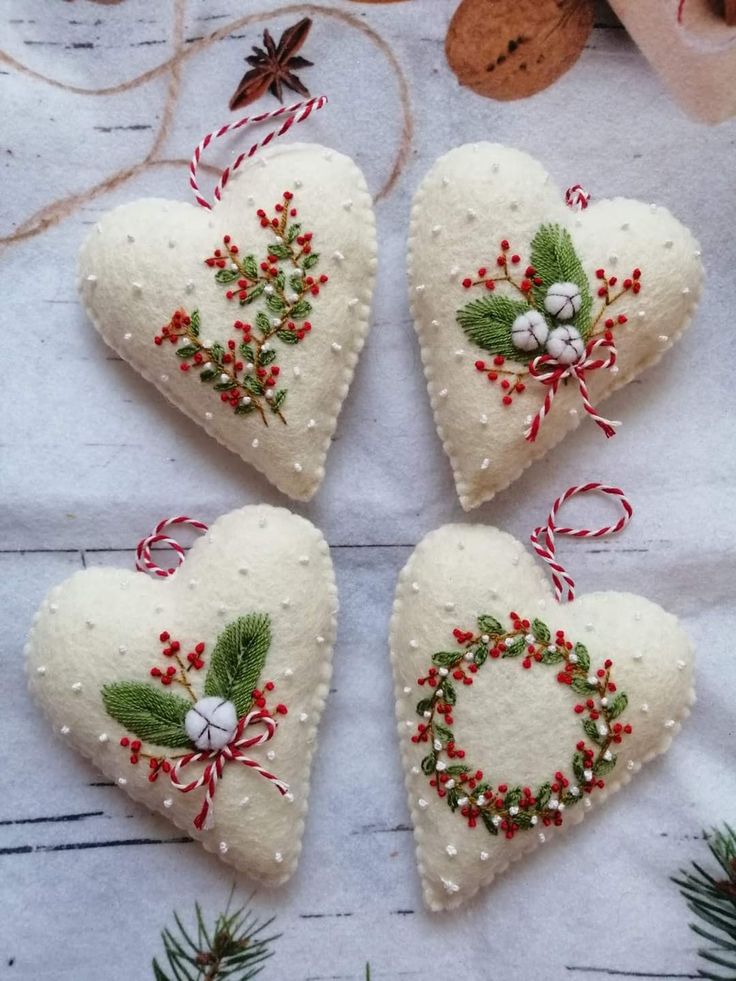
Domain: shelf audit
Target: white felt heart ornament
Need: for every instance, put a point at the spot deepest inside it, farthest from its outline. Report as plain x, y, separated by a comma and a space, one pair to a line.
200, 694
250, 317
517, 714
529, 314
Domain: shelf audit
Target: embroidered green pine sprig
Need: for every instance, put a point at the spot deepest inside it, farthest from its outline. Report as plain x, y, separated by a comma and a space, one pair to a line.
234, 947
244, 371
528, 311
711, 896
504, 808
152, 715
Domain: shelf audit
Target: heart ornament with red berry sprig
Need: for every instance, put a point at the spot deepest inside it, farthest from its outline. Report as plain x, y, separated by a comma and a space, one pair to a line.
199, 690
249, 316
529, 313
517, 714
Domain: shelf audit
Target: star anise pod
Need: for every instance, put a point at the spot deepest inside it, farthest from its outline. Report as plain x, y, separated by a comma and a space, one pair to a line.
274, 67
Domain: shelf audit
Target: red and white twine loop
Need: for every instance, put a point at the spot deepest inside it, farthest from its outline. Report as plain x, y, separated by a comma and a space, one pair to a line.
577, 198
143, 559
217, 759
551, 373
296, 113
543, 538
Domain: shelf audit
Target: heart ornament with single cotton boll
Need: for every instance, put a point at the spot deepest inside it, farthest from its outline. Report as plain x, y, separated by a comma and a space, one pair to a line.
529, 313
199, 692
516, 714
248, 317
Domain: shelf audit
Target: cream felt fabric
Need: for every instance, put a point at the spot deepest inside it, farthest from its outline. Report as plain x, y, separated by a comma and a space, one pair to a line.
103, 626
145, 260
474, 197
518, 725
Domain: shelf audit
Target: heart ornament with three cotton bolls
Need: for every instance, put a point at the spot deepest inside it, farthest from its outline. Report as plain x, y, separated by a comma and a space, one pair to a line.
531, 309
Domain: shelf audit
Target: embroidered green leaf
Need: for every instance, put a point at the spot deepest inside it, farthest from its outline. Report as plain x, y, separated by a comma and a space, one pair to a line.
524, 820
275, 303
207, 374
603, 766
250, 267
583, 658
225, 386
150, 714
540, 632
429, 764
244, 410
578, 766
443, 733
552, 657
187, 351
543, 795
512, 798
487, 820
279, 281
296, 281
247, 352
425, 705
237, 660
292, 231
618, 705
226, 275
449, 694
480, 655
554, 257
265, 358
311, 260
591, 731
217, 351
582, 686
262, 322
279, 250
487, 322
288, 336
194, 323
515, 648
253, 385
444, 659
255, 292
489, 625
300, 310
278, 400
453, 799
457, 770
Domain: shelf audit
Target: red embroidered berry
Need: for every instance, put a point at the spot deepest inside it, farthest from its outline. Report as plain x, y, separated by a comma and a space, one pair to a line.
499, 359
480, 366
526, 285
622, 318
282, 709
516, 259
600, 273
155, 672
490, 285
125, 741
135, 745
505, 244
501, 260
636, 274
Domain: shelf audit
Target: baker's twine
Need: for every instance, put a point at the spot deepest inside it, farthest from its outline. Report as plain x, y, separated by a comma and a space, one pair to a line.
543, 538
143, 558
295, 113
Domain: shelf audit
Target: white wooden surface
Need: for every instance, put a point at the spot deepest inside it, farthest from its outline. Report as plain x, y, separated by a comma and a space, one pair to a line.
91, 459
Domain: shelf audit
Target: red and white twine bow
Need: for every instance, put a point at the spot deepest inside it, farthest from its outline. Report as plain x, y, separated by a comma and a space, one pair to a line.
577, 198
543, 538
143, 559
296, 113
551, 373
217, 759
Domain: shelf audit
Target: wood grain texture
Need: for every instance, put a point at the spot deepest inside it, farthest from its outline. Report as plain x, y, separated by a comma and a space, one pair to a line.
90, 459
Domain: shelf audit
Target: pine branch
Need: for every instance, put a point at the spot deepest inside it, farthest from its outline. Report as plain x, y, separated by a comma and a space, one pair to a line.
713, 899
235, 948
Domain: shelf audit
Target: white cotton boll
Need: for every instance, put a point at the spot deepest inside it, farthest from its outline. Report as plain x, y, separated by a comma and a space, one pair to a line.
563, 300
565, 345
529, 331
211, 722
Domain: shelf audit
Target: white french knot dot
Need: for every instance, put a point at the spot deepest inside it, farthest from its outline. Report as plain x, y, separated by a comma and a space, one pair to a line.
278, 857
168, 802
41, 670
103, 737
223, 847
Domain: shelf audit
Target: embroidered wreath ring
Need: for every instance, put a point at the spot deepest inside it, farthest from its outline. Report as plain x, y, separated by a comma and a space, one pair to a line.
504, 808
